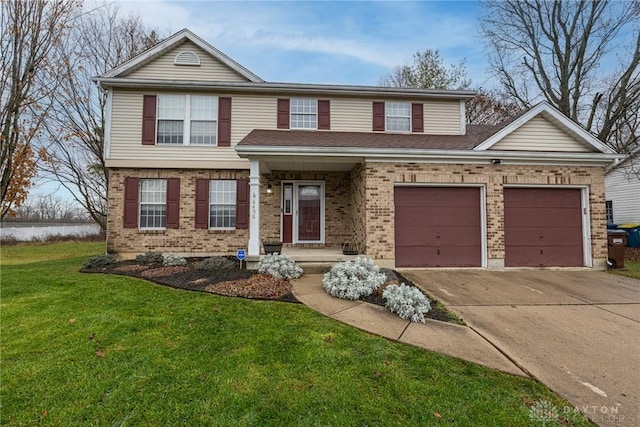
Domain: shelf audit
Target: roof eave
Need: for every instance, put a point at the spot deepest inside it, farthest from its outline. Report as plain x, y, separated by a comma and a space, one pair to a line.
316, 89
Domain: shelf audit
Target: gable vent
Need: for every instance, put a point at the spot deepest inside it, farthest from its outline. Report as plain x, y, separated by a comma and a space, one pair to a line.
187, 58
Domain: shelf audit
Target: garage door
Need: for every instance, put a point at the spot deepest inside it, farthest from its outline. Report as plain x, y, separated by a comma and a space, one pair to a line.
543, 227
438, 227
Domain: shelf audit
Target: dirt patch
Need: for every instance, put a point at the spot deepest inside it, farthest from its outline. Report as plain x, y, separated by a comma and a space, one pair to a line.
631, 254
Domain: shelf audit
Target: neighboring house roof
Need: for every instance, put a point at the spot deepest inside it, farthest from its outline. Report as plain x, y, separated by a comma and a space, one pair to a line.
170, 42
559, 119
634, 156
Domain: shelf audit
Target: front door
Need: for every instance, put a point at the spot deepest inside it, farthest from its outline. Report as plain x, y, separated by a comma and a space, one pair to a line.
309, 205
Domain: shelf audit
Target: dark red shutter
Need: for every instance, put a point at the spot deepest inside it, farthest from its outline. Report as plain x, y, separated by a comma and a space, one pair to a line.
324, 114
417, 122
283, 114
149, 120
131, 203
378, 116
242, 203
224, 122
173, 203
202, 203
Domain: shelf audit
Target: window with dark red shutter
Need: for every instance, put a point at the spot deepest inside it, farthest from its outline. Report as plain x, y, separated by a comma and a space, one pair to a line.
242, 204
417, 118
224, 122
324, 114
283, 114
202, 203
378, 116
173, 203
130, 203
149, 120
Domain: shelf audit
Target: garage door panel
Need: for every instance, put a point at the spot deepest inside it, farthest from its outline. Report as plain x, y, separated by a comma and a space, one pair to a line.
543, 227
437, 227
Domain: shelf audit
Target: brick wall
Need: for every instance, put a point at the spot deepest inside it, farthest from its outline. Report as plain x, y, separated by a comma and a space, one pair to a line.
380, 179
186, 239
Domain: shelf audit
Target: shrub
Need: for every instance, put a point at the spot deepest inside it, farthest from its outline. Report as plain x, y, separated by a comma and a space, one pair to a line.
280, 266
215, 263
173, 260
353, 279
150, 258
407, 302
99, 261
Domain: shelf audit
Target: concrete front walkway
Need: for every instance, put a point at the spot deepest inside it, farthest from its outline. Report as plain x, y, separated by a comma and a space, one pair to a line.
453, 340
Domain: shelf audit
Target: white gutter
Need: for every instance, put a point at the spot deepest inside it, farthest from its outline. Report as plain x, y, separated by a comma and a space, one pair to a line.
268, 87
512, 157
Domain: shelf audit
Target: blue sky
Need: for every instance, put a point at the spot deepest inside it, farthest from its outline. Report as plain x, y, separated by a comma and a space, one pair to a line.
326, 42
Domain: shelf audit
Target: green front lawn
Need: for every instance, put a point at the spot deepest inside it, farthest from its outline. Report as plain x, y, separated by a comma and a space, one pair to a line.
91, 349
631, 269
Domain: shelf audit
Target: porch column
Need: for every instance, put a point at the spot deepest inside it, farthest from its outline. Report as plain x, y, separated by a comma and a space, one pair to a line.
254, 208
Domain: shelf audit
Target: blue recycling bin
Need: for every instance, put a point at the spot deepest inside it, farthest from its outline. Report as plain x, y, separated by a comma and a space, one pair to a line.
611, 226
633, 234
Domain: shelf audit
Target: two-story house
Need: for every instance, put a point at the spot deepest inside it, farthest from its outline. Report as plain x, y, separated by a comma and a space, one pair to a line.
205, 158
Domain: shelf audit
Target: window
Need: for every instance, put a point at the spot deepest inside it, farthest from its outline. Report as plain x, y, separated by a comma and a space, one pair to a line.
222, 204
191, 115
398, 116
304, 113
609, 210
153, 203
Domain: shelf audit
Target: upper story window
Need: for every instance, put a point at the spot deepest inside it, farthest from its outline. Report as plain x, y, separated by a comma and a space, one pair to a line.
187, 119
304, 113
153, 203
398, 116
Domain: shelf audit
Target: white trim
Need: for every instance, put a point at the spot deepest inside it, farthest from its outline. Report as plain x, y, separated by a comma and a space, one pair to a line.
415, 155
175, 40
463, 117
484, 254
587, 260
291, 113
311, 90
569, 125
254, 208
107, 124
296, 186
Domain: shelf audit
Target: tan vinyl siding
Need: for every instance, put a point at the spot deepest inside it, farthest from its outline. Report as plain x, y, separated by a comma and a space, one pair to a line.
126, 136
539, 134
351, 115
442, 117
249, 112
210, 69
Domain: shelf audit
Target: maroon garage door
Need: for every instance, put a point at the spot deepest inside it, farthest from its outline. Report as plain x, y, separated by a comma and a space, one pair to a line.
437, 227
542, 227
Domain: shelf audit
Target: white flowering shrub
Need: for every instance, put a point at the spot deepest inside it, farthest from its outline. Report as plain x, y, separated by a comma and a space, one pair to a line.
353, 279
407, 302
173, 260
280, 266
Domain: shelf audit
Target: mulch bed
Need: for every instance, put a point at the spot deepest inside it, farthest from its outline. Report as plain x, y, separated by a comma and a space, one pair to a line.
235, 282
239, 282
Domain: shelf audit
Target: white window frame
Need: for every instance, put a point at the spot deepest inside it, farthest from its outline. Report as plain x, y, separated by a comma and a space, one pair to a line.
186, 121
235, 201
141, 203
387, 115
291, 113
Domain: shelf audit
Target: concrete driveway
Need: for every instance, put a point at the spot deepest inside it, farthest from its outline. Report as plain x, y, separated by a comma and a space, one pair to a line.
578, 332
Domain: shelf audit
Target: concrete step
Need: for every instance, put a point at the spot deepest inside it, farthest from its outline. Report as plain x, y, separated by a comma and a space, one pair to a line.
315, 267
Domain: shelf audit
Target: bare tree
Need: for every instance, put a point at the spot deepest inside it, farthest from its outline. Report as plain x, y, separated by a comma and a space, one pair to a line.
49, 208
428, 71
556, 50
100, 41
489, 108
30, 31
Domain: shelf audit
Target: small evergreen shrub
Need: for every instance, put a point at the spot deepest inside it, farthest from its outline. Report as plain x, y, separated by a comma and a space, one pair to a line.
173, 260
215, 263
150, 258
353, 279
99, 261
280, 266
407, 302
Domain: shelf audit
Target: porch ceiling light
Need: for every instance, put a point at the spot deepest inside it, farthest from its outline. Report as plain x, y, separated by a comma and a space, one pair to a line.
269, 189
